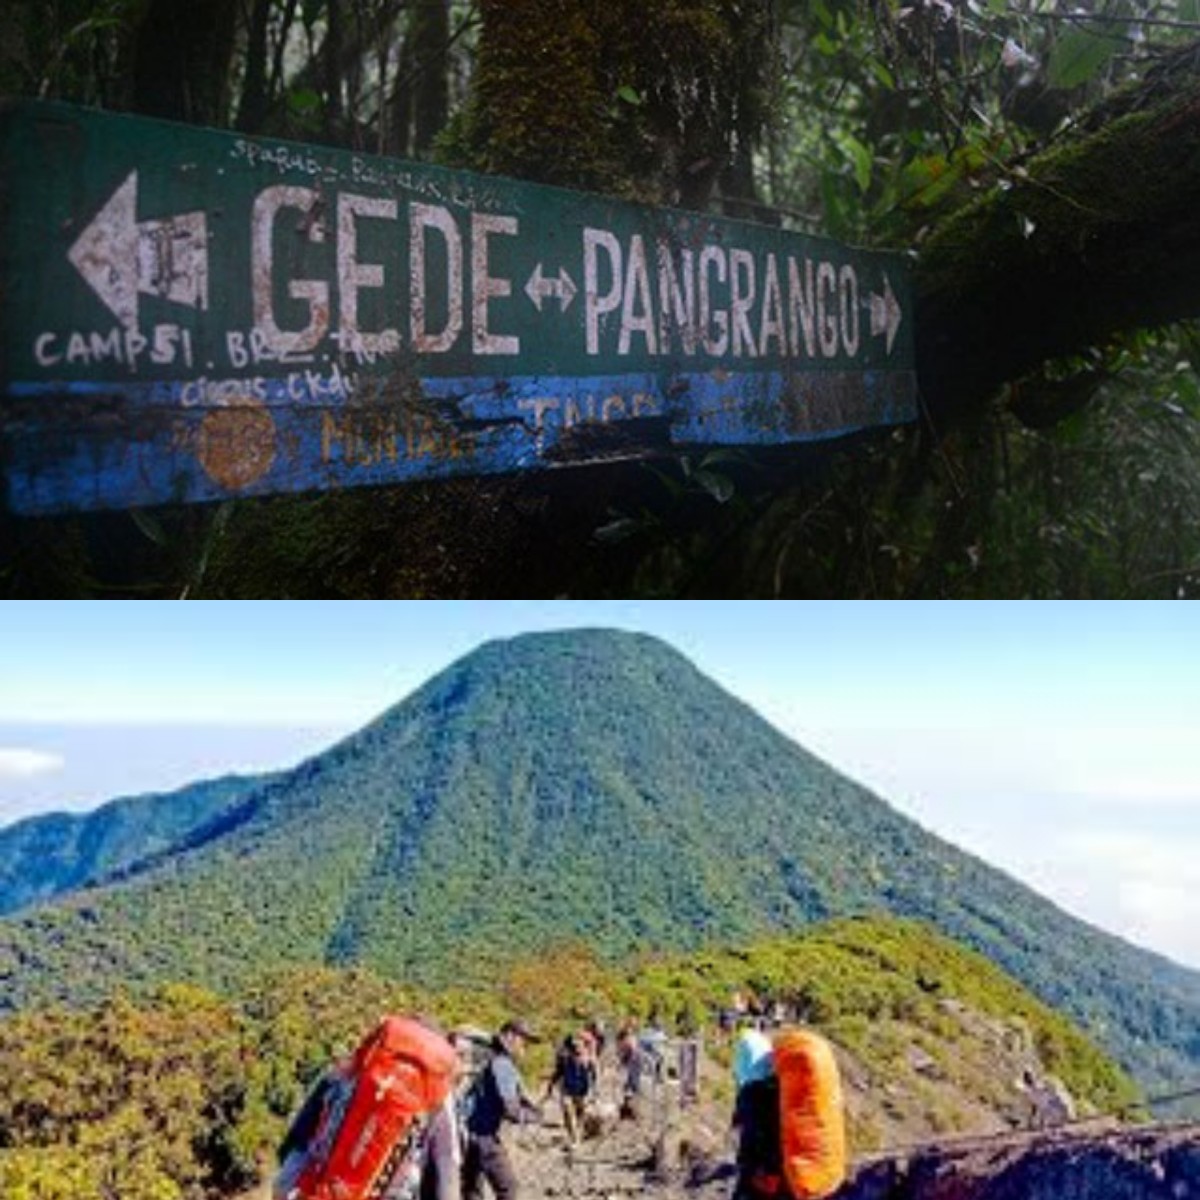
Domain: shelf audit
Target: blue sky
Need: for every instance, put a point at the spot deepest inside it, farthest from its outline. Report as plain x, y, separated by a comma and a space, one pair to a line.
1058, 740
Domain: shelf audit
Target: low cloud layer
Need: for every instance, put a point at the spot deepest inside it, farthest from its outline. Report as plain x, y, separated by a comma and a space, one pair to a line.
20, 763
1105, 821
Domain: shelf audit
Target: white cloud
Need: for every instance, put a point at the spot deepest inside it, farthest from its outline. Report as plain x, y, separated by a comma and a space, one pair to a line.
1131, 765
16, 763
1152, 881
1141, 856
1132, 768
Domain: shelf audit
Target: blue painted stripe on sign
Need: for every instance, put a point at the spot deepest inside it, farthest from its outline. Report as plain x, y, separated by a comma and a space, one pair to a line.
85, 446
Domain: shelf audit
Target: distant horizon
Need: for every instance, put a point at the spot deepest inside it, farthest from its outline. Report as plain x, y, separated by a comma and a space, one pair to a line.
1054, 741
171, 757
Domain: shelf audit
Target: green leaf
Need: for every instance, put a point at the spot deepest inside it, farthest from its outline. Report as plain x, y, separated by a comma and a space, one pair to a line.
718, 486
929, 179
150, 526
619, 530
863, 161
727, 454
629, 94
885, 76
303, 100
1078, 56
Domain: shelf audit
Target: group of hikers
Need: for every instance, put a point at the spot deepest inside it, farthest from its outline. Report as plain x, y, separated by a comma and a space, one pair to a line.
449, 1140
449, 1117
587, 1057
640, 1058
420, 1114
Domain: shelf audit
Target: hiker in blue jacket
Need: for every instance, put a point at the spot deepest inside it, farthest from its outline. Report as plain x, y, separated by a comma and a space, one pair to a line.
499, 1096
575, 1077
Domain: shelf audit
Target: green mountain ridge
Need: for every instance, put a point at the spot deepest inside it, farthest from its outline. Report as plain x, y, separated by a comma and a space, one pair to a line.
587, 785
47, 855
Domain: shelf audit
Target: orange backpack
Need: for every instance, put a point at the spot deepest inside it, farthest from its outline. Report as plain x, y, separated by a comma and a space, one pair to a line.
368, 1113
812, 1128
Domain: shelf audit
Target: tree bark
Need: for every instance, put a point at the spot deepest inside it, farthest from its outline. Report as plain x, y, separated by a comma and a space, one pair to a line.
429, 30
253, 107
400, 125
181, 60
331, 55
1097, 235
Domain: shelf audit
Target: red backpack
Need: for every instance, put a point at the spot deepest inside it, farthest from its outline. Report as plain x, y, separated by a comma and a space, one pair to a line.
362, 1116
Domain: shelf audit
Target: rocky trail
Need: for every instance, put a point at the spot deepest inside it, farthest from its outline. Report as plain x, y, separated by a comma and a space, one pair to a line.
1083, 1163
692, 1160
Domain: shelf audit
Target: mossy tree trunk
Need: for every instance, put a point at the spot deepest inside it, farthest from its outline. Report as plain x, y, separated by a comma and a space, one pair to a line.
1097, 235
649, 101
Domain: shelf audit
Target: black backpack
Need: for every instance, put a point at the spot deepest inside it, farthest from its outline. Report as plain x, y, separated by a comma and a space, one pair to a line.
471, 1095
576, 1076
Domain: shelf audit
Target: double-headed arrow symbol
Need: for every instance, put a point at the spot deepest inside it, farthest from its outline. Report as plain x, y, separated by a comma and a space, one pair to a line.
885, 313
120, 256
539, 287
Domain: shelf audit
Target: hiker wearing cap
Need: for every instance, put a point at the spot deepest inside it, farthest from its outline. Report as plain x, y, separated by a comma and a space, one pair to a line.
499, 1097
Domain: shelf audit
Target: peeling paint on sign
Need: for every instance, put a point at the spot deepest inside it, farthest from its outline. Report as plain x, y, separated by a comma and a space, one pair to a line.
192, 315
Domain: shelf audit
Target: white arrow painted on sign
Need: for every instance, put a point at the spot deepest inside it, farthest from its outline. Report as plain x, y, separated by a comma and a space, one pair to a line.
120, 256
885, 313
539, 287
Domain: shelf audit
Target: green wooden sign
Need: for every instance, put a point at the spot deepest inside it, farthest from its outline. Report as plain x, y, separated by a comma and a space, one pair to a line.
192, 315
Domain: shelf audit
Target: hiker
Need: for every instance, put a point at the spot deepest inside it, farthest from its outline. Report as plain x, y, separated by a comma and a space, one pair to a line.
654, 1042
638, 1068
756, 1119
575, 1077
356, 1132
788, 1115
599, 1035
445, 1136
331, 1086
730, 1018
498, 1095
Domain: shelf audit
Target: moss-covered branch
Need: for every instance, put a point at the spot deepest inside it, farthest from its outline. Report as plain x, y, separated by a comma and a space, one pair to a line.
1098, 234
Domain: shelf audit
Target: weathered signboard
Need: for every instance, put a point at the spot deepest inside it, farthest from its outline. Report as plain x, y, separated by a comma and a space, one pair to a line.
192, 315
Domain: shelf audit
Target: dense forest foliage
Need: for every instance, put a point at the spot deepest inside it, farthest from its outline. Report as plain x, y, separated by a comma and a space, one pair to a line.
588, 784
1036, 157
183, 1095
